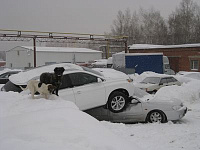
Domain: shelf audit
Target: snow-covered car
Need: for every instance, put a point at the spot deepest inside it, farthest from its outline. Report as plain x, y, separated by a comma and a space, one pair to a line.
193, 75
144, 108
85, 87
154, 83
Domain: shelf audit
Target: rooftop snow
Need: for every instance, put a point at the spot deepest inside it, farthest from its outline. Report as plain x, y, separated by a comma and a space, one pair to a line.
151, 46
62, 49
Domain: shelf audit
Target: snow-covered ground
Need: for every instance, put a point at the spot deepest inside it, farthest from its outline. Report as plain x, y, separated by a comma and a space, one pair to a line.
56, 124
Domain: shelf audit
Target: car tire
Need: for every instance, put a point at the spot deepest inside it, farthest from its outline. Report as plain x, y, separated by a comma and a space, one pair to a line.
117, 102
156, 116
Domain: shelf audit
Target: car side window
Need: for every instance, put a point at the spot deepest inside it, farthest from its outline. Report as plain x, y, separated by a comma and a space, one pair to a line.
66, 82
5, 75
163, 80
174, 80
80, 78
169, 80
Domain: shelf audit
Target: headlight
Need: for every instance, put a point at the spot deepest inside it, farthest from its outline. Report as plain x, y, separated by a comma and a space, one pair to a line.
176, 107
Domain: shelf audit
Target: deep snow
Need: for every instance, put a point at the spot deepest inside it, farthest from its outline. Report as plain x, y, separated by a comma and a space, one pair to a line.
58, 124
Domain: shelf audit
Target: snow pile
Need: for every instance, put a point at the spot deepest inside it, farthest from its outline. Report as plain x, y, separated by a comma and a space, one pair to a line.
52, 124
188, 92
138, 78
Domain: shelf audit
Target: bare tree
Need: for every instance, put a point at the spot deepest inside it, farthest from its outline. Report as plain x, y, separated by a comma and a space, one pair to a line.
183, 23
153, 27
147, 27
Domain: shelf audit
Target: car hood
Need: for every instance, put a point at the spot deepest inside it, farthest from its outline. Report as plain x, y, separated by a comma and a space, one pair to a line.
22, 78
169, 101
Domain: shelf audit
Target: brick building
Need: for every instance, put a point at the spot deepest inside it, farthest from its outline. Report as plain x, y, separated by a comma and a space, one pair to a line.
184, 57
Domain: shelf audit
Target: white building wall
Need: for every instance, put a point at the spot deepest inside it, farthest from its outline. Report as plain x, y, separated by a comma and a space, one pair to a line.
85, 57
43, 58
57, 57
19, 57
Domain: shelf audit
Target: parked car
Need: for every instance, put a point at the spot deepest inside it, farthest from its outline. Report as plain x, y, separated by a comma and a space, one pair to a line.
4, 77
154, 83
85, 87
144, 109
193, 75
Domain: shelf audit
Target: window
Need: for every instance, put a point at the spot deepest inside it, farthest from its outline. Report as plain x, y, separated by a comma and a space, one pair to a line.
79, 79
11, 65
29, 65
194, 65
169, 80
18, 53
164, 80
151, 80
66, 82
174, 80
5, 75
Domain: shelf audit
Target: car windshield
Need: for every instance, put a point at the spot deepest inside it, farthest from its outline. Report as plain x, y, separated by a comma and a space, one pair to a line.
151, 80
92, 71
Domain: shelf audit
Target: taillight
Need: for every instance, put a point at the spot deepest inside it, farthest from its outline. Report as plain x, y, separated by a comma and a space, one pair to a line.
129, 80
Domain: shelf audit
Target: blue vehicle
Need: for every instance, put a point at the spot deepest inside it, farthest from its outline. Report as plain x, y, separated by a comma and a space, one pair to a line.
139, 62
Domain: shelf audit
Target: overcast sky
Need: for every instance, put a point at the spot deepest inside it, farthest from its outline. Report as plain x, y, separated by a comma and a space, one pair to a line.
79, 16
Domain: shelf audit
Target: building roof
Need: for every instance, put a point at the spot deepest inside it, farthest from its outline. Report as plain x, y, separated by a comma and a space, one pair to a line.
151, 46
62, 49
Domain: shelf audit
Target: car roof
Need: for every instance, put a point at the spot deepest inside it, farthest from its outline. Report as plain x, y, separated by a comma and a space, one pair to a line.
12, 71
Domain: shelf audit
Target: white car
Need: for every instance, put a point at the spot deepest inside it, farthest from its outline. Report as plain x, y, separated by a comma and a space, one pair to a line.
85, 87
154, 83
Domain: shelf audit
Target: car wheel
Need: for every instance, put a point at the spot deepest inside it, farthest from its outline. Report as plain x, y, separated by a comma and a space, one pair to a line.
156, 116
117, 102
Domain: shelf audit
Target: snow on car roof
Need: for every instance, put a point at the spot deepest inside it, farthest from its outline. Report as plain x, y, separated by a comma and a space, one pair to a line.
23, 77
111, 73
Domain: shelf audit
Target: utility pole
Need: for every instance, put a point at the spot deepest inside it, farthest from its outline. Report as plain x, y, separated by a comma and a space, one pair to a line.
34, 51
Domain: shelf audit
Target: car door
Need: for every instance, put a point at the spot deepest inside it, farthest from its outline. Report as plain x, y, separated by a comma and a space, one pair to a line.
66, 89
88, 91
133, 113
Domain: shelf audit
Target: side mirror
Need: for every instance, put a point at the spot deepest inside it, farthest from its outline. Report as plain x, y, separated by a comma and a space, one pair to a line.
135, 101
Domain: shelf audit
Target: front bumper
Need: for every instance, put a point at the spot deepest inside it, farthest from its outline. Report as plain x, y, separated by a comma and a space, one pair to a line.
176, 114
182, 111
